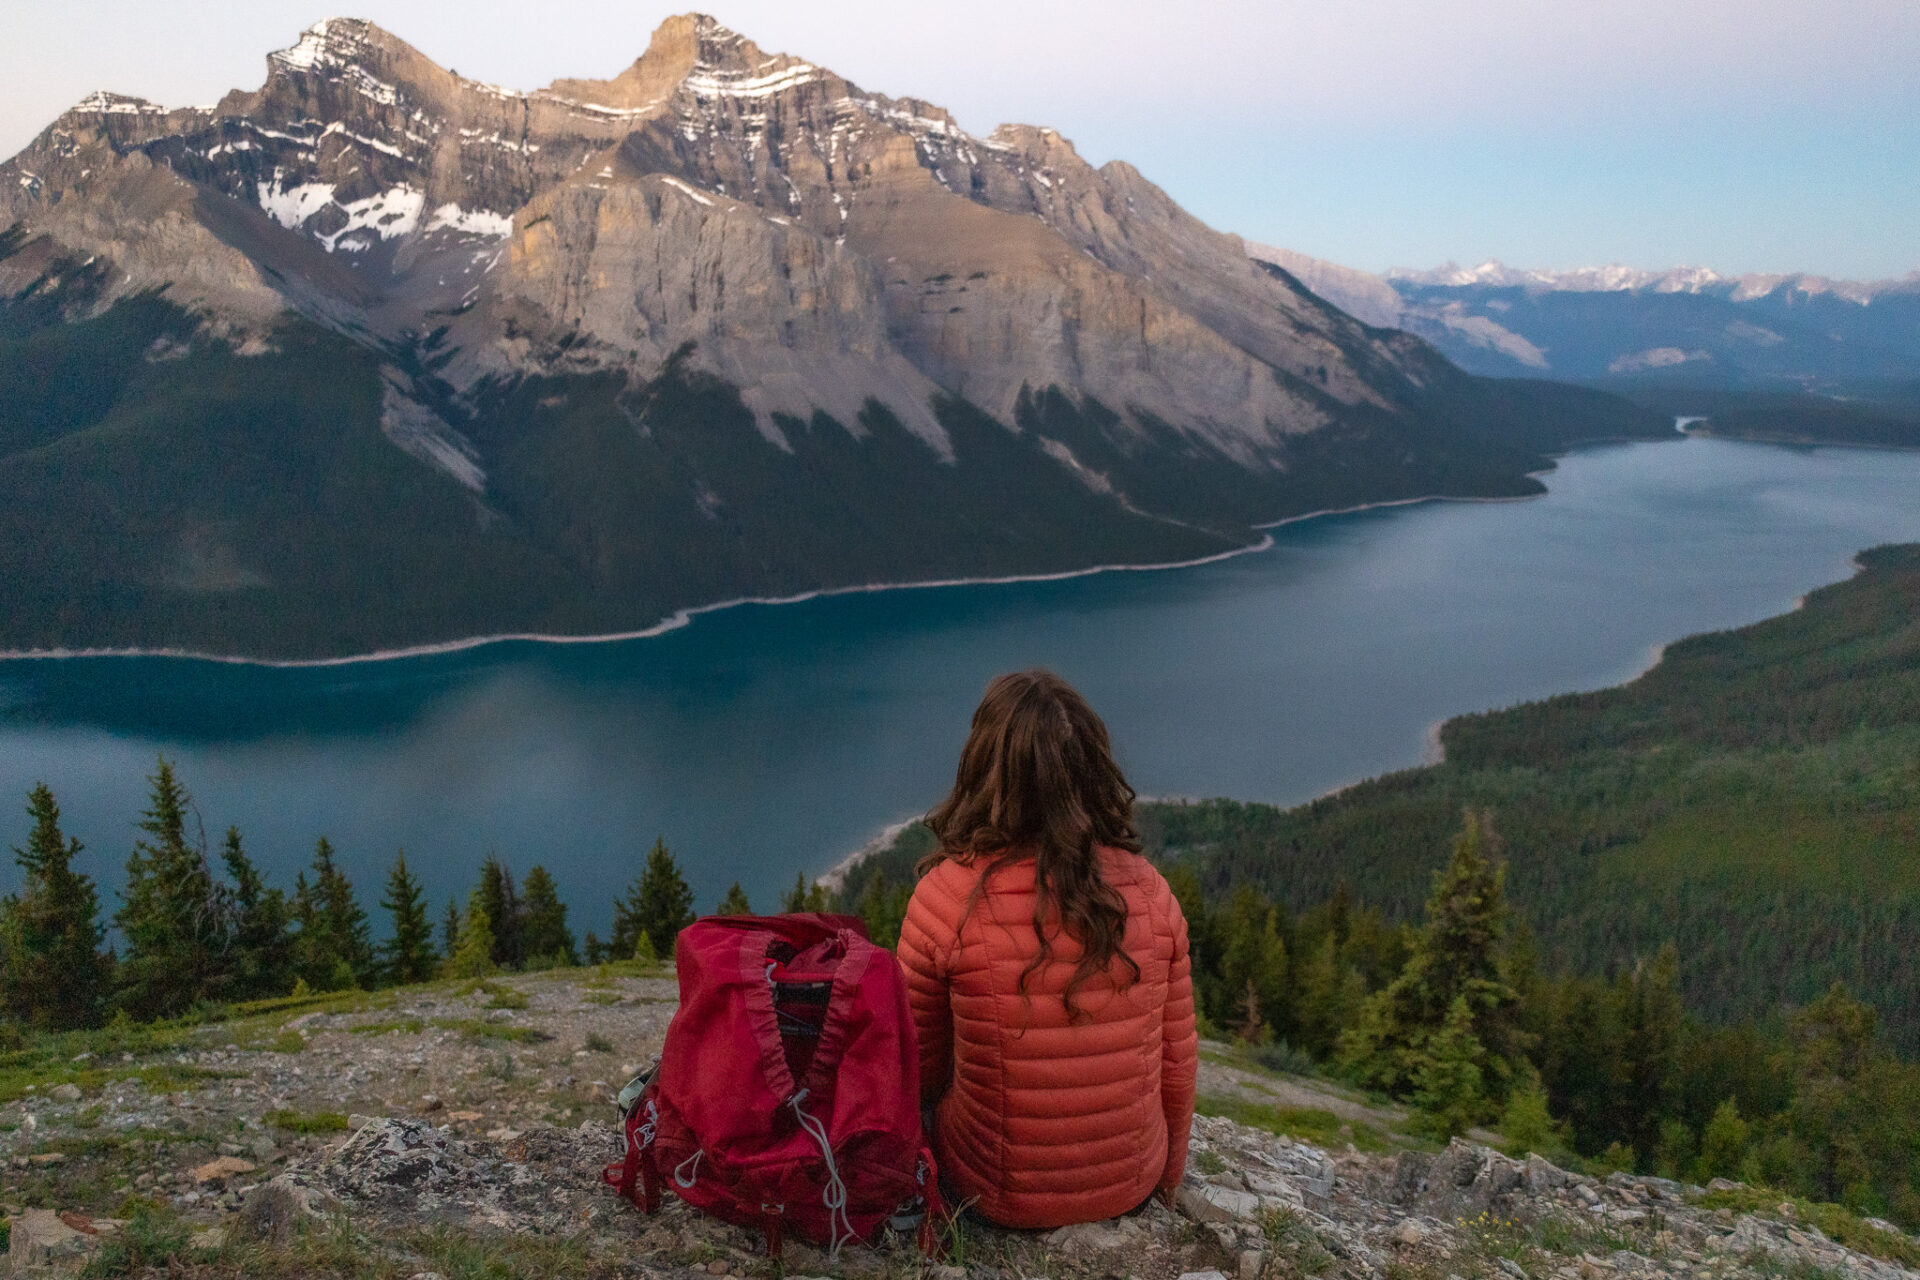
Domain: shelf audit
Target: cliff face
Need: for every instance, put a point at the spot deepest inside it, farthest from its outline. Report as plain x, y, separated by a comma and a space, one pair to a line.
820, 243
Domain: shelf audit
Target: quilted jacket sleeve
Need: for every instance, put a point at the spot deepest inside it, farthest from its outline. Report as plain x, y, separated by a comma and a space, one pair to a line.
926, 943
1179, 1050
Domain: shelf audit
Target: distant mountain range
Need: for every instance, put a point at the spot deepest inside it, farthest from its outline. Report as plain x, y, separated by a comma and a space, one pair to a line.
1623, 327
377, 355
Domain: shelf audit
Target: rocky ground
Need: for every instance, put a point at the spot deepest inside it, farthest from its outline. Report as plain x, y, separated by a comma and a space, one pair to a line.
459, 1130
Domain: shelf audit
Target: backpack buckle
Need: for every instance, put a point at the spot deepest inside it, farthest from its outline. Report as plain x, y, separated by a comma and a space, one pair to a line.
629, 1095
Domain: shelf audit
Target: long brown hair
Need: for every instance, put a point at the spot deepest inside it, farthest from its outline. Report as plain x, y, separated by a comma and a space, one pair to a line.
1037, 777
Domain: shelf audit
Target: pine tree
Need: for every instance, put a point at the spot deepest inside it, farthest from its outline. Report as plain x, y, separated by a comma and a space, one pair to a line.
1650, 1025
883, 908
544, 934
805, 896
1527, 1123
504, 913
450, 930
1327, 997
54, 973
261, 958
735, 903
1252, 950
408, 955
1833, 1117
596, 950
1723, 1145
472, 952
175, 918
1447, 1082
1673, 1152
1456, 957
1340, 913
658, 904
334, 949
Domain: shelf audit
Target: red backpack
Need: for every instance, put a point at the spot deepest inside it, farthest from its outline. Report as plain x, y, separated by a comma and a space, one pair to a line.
788, 1092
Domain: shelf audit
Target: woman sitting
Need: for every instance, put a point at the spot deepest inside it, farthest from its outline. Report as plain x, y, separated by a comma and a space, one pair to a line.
1047, 967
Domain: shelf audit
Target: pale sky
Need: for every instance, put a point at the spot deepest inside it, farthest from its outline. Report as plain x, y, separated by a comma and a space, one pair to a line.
1743, 135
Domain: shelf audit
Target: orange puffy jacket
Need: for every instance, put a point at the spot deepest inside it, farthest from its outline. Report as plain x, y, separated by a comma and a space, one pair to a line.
1040, 1120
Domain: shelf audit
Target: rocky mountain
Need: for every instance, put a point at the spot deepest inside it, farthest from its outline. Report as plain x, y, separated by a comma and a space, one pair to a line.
569, 360
1624, 326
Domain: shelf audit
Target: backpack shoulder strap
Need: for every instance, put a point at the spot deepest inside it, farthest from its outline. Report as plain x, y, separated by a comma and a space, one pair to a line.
636, 1175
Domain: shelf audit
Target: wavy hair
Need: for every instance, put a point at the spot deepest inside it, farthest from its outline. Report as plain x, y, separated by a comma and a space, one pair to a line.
1037, 778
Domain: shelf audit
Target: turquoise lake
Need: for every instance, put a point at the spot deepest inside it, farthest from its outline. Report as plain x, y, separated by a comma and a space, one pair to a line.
764, 740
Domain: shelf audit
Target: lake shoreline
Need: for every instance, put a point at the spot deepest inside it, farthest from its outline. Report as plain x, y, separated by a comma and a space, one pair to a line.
681, 618
763, 744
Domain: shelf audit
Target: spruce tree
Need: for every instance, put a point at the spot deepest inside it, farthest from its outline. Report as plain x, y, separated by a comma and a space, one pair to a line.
472, 953
735, 903
596, 950
1254, 953
1833, 1118
450, 930
407, 955
1723, 1146
175, 918
658, 904
883, 908
1457, 958
1340, 913
504, 913
261, 959
1527, 1124
54, 973
805, 895
1447, 1093
1649, 1028
545, 937
1327, 997
334, 948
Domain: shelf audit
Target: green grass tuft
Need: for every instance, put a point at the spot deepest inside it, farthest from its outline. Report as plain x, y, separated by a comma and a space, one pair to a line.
481, 1029
1307, 1124
312, 1122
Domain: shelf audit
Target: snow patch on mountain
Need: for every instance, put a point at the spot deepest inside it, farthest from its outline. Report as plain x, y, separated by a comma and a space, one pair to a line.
1615, 278
692, 193
714, 82
473, 222
100, 102
1655, 358
292, 206
385, 215
1612, 278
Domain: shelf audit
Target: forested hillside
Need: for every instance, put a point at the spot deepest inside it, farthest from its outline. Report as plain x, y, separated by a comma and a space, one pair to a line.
1754, 799
1878, 414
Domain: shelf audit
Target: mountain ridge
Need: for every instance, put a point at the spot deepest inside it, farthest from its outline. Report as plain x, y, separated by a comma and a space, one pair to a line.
1620, 326
568, 302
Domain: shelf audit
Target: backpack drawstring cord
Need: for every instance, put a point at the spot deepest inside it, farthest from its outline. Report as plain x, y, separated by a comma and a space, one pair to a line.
835, 1195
